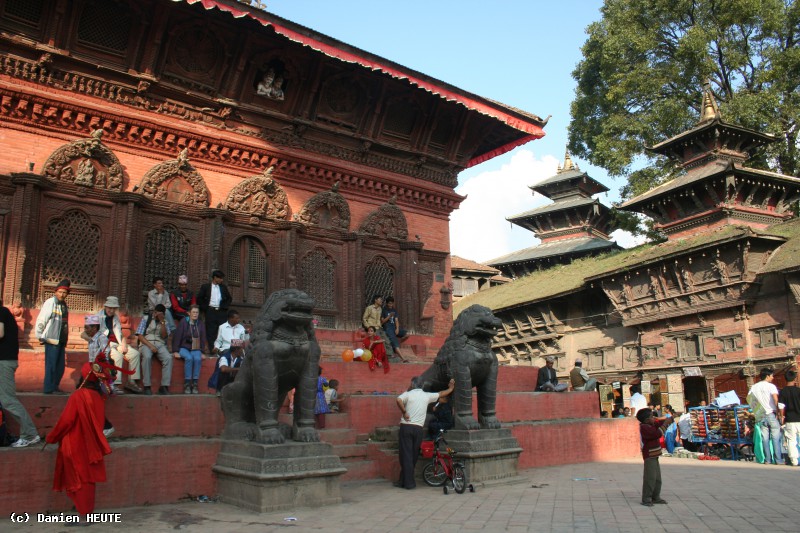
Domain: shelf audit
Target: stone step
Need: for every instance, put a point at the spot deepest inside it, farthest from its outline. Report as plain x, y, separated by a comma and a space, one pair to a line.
332, 420
337, 436
349, 451
355, 376
139, 472
359, 469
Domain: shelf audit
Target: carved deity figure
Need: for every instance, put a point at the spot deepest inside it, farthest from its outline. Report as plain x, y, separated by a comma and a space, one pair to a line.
688, 279
18, 312
85, 174
271, 85
466, 356
721, 268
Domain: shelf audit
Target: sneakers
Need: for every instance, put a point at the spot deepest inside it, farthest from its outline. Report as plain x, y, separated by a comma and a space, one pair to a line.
118, 390
187, 388
195, 390
163, 390
23, 442
147, 391
108, 432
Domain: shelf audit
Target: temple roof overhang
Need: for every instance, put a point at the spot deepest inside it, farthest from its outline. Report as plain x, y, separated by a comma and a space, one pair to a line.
561, 205
747, 139
573, 179
521, 127
562, 247
703, 175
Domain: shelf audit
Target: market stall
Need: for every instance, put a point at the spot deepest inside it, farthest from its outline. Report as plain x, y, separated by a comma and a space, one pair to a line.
725, 426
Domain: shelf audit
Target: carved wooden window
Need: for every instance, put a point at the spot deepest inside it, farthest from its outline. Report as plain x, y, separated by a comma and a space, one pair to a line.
318, 280
27, 12
166, 254
247, 271
729, 344
105, 25
71, 251
593, 359
400, 118
768, 337
378, 279
690, 347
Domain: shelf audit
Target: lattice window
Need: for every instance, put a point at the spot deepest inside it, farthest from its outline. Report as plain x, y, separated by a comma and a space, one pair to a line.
317, 279
400, 119
28, 12
105, 24
378, 279
249, 283
71, 250
75, 301
166, 254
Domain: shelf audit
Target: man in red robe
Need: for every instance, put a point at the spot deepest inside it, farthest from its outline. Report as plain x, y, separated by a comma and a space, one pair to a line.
79, 430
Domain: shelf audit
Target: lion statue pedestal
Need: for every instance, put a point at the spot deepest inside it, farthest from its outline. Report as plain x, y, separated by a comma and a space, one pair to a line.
489, 451
263, 465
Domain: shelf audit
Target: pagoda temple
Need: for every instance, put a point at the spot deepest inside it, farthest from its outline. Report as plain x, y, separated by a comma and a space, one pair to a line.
697, 315
575, 225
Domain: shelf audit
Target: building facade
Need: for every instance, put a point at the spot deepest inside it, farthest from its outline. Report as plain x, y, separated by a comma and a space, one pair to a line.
691, 317
156, 138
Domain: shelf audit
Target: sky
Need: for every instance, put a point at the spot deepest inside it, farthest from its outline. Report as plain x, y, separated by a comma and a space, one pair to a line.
518, 52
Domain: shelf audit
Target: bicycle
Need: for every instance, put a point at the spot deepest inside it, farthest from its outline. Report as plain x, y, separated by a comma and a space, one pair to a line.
443, 468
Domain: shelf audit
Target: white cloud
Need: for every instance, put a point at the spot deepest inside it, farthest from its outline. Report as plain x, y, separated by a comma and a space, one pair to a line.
478, 228
627, 239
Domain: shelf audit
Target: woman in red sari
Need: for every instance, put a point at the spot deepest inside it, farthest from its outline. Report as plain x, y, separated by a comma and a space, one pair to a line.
374, 343
79, 430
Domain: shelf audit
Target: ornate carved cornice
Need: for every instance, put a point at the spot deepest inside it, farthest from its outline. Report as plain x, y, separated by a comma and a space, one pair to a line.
215, 116
44, 114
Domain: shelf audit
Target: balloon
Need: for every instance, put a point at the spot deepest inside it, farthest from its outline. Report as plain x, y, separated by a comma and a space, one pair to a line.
366, 356
357, 353
347, 356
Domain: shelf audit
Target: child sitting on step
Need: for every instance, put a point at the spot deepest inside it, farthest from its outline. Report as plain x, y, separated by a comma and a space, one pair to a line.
332, 396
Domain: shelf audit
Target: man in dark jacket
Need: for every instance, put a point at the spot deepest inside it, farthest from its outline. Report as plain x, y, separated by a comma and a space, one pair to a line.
214, 300
547, 380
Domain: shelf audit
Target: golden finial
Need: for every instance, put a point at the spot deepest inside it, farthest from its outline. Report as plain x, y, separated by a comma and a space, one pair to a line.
568, 164
710, 109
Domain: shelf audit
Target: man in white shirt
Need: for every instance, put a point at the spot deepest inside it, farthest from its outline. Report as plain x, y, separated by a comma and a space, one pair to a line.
414, 405
684, 434
638, 401
228, 331
763, 400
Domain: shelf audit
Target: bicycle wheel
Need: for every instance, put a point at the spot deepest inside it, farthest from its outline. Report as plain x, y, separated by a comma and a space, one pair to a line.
434, 474
459, 479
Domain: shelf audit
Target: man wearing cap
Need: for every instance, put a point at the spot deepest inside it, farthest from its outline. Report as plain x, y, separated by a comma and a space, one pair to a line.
182, 299
52, 330
214, 300
579, 379
153, 331
547, 380
111, 327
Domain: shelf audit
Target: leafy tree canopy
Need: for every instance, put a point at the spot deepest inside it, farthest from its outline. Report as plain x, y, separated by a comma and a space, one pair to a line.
644, 64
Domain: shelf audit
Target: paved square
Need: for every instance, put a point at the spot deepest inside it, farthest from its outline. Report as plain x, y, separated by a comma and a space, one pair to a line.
703, 496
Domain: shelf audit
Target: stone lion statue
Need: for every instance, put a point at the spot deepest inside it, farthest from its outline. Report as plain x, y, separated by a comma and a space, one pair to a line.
284, 356
467, 357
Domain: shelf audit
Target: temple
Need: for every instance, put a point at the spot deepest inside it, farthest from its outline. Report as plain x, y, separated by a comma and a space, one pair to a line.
691, 317
575, 225
157, 138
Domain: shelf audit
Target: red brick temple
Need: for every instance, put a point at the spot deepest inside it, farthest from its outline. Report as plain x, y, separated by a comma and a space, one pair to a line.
157, 137
694, 316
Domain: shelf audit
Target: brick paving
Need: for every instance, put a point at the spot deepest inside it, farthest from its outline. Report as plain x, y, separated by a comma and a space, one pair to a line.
703, 497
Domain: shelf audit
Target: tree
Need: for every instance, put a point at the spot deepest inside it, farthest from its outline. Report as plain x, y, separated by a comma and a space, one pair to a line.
642, 72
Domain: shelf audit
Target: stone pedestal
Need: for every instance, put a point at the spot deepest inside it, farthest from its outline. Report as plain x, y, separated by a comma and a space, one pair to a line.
488, 454
265, 478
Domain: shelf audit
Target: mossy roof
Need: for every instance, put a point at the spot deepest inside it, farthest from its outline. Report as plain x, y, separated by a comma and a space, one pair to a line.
565, 279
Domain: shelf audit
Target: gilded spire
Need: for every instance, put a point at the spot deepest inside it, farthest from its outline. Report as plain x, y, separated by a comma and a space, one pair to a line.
568, 164
710, 109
